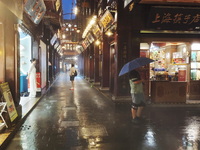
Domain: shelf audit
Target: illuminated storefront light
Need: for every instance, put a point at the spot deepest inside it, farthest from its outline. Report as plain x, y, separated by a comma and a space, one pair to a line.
195, 46
97, 42
63, 36
75, 10
89, 26
109, 33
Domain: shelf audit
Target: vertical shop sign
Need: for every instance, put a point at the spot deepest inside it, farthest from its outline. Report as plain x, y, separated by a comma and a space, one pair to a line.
7, 95
43, 63
38, 80
90, 38
96, 31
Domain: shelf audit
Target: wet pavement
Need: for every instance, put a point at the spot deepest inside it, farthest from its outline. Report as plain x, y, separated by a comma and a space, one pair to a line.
84, 119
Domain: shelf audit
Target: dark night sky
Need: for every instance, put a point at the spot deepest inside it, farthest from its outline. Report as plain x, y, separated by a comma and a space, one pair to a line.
67, 9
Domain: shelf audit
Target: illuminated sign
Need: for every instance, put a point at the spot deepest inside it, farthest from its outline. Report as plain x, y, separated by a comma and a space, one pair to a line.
174, 18
53, 39
90, 38
96, 31
107, 19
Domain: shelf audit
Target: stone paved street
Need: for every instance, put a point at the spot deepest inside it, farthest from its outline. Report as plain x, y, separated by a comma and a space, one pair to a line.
84, 119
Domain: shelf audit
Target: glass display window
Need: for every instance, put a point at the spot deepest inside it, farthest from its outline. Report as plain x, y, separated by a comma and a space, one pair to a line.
195, 62
171, 61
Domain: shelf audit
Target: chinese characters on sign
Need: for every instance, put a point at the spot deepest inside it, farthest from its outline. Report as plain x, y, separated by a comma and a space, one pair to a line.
178, 18
107, 19
174, 18
96, 31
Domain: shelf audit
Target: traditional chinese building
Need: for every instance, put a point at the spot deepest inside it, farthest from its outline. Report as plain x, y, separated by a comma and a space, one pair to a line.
168, 32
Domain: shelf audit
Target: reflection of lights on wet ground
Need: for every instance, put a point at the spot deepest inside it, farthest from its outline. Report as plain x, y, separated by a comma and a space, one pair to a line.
193, 132
192, 137
94, 142
149, 137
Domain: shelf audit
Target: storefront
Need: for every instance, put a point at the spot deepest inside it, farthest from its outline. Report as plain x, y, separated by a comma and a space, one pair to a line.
25, 57
169, 35
174, 76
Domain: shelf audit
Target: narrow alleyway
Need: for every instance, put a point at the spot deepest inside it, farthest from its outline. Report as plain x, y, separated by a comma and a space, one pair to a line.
85, 119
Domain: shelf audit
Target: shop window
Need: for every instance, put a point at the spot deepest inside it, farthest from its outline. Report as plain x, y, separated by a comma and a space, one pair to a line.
195, 61
25, 57
171, 61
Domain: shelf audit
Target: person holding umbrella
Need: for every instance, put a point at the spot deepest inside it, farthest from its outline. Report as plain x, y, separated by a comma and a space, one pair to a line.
136, 85
137, 94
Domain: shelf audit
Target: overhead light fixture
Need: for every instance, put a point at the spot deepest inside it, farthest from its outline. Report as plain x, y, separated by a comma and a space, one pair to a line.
69, 25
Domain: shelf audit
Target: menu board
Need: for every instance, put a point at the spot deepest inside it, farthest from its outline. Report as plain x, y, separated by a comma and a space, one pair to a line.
5, 90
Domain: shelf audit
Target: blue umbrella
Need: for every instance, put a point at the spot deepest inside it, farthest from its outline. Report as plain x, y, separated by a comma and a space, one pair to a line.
135, 63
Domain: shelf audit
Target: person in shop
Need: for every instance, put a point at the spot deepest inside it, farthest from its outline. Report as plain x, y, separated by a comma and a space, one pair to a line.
137, 94
72, 74
32, 78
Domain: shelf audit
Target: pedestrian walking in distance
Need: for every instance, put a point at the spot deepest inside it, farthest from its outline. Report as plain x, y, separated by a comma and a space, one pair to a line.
72, 76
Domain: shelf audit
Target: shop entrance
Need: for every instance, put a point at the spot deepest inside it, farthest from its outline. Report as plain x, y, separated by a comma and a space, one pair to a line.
25, 57
175, 74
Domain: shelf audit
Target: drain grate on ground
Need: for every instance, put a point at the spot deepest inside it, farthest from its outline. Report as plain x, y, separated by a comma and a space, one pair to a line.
25, 127
93, 131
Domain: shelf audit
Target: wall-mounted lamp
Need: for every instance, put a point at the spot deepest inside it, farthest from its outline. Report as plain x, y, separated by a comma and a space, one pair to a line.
63, 36
78, 31
109, 33
97, 42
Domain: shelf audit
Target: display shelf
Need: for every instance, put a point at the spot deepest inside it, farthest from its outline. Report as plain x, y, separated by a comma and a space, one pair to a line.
2, 110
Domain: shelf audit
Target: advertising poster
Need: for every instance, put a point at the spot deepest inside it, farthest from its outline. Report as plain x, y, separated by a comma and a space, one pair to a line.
5, 90
38, 82
182, 75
